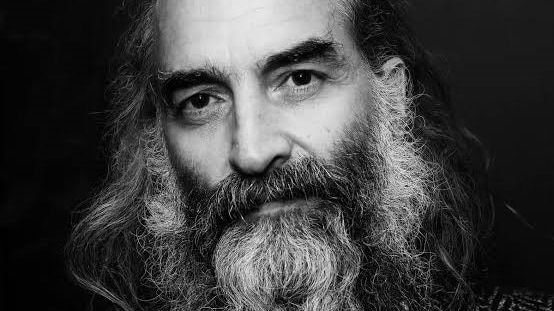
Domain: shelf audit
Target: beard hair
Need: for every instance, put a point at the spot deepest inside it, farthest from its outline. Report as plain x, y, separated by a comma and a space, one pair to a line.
358, 247
301, 260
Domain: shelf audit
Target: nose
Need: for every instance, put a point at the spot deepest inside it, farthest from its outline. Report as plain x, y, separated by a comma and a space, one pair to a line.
258, 144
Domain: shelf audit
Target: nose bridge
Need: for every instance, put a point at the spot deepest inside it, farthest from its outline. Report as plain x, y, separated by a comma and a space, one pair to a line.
258, 142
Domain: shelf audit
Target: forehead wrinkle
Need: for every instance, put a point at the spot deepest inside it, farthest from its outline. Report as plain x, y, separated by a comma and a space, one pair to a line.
225, 55
206, 18
219, 19
226, 17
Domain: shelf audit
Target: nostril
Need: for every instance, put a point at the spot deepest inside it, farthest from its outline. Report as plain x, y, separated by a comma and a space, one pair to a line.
259, 160
252, 164
278, 161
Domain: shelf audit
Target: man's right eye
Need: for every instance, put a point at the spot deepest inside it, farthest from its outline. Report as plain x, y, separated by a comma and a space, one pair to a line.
198, 108
197, 101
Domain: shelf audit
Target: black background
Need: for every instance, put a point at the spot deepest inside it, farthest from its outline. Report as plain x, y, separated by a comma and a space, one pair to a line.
55, 59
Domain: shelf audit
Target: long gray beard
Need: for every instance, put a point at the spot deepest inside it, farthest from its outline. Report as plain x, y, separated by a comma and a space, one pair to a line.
302, 260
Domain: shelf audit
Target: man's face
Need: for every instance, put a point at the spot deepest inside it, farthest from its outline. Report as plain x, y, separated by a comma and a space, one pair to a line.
297, 185
254, 84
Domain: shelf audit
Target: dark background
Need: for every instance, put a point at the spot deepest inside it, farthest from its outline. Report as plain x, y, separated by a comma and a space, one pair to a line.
54, 64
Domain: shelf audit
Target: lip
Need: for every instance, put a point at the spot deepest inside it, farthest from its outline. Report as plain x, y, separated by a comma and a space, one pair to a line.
273, 209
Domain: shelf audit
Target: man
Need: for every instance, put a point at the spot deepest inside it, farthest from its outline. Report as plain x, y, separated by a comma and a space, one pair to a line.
282, 155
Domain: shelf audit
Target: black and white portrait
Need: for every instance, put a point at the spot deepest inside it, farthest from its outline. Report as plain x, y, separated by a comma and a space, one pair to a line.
277, 155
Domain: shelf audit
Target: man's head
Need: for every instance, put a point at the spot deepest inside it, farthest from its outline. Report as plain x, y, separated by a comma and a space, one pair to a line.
280, 155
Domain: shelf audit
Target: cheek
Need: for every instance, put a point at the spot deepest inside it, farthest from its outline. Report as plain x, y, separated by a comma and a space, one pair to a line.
320, 125
204, 150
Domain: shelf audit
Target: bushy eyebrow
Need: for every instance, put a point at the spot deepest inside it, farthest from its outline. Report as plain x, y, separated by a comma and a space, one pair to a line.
313, 49
182, 79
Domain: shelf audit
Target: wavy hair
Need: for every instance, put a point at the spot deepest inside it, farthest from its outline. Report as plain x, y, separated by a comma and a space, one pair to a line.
102, 252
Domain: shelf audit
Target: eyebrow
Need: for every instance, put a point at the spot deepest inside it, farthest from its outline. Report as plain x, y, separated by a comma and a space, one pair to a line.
313, 49
182, 79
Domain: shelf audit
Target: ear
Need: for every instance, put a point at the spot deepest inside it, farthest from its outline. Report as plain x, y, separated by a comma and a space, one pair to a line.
394, 76
392, 86
394, 68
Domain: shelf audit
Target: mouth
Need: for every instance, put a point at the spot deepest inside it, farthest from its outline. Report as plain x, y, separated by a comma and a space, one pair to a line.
277, 208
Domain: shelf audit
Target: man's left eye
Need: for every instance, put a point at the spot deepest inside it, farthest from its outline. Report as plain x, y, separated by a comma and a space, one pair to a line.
301, 77
301, 85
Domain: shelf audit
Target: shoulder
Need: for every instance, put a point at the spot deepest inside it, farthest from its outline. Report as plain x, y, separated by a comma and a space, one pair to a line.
500, 299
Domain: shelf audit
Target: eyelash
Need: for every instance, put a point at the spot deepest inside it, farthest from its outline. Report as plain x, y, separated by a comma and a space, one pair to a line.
184, 103
303, 92
198, 115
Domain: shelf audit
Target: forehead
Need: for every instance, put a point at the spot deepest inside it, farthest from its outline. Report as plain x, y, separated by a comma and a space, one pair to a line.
238, 32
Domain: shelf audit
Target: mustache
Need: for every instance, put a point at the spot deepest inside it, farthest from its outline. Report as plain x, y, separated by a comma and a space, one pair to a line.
214, 209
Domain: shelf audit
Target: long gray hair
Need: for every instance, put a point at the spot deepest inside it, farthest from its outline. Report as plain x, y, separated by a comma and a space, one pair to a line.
102, 251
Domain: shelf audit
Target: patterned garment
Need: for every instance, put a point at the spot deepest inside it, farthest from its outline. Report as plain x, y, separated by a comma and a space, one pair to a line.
501, 299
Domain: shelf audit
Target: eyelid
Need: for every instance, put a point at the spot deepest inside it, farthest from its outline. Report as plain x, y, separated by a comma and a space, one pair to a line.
187, 99
216, 108
317, 64
283, 77
297, 93
322, 77
211, 90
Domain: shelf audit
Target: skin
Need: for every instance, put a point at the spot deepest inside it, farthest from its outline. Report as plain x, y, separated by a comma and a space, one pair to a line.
256, 120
